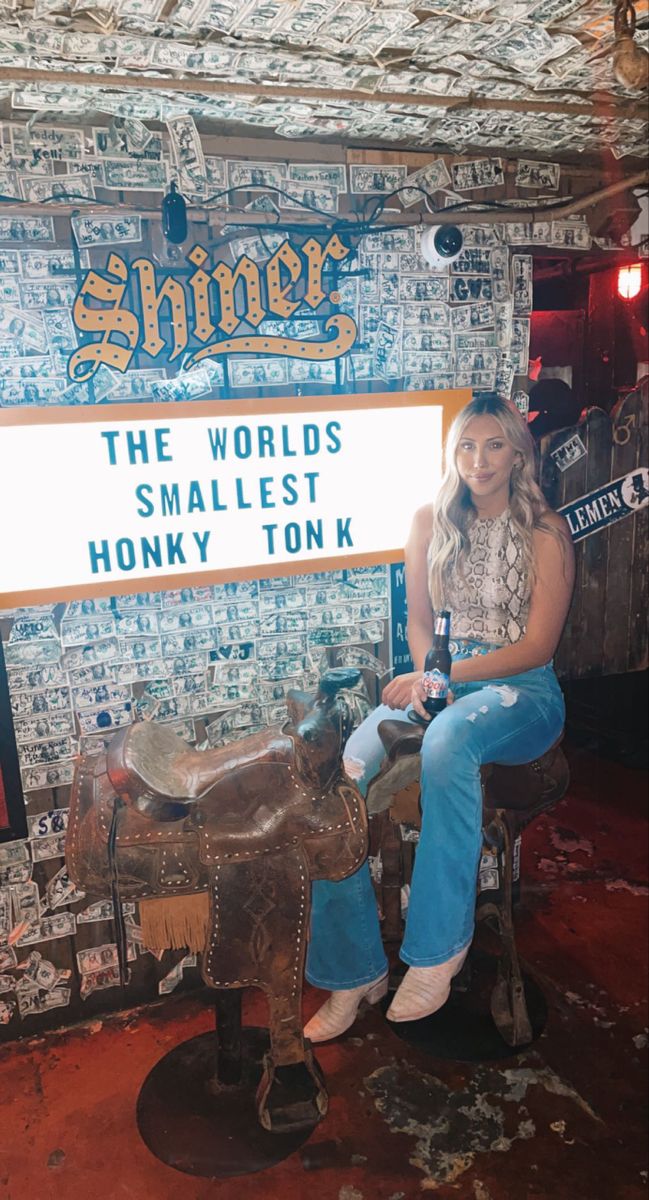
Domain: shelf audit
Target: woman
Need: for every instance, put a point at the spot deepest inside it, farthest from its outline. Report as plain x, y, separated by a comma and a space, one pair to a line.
492, 552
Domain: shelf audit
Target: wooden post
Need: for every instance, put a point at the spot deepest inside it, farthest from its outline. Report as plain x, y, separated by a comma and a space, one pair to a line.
392, 878
600, 342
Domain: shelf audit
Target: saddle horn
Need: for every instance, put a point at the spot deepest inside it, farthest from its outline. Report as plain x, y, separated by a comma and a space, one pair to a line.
331, 683
335, 679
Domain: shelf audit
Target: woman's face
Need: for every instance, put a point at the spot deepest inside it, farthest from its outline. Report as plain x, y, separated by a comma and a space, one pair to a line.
484, 461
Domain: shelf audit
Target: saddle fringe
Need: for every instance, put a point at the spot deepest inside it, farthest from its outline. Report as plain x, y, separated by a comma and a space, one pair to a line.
173, 922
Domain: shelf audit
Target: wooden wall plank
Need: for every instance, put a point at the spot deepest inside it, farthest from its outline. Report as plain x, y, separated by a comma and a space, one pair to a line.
606, 631
594, 549
638, 654
568, 486
626, 455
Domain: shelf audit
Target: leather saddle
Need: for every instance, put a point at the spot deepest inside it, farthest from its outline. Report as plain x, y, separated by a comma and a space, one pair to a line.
245, 800
184, 811
152, 770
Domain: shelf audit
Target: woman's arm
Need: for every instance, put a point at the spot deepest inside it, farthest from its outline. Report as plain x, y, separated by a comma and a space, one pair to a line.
549, 604
420, 613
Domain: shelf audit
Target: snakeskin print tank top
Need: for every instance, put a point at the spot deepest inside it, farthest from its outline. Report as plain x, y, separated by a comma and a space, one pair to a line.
489, 600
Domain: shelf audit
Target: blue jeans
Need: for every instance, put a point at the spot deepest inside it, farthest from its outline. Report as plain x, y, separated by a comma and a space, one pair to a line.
509, 721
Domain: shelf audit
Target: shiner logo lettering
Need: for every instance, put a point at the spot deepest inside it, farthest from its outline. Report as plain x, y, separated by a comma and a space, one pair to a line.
213, 302
620, 498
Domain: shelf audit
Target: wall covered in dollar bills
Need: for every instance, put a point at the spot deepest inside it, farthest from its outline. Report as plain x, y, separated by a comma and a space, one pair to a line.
214, 662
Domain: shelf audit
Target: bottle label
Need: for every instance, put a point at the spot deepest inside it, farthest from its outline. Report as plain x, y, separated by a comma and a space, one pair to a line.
442, 627
436, 684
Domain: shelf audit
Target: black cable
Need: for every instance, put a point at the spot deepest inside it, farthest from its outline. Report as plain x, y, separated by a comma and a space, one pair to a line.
67, 196
458, 206
47, 199
356, 224
268, 187
347, 223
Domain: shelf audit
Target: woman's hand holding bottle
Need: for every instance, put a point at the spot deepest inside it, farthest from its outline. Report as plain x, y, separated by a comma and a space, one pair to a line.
430, 695
407, 689
398, 692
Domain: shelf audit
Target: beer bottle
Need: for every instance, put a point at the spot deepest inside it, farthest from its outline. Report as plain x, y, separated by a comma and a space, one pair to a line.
437, 669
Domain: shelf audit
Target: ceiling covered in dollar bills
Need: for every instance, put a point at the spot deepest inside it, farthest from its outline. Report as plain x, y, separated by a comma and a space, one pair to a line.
477, 56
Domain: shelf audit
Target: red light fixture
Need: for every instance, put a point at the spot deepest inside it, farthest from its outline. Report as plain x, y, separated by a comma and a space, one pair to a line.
629, 281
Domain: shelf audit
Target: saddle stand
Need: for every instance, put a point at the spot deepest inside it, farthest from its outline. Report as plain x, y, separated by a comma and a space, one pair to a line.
220, 847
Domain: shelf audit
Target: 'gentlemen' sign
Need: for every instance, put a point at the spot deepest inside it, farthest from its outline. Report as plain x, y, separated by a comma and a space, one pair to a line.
620, 498
144, 496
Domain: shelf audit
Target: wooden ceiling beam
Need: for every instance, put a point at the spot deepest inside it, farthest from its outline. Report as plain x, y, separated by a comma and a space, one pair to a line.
601, 106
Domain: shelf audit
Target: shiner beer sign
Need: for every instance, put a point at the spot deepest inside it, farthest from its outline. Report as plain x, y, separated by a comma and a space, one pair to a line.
205, 310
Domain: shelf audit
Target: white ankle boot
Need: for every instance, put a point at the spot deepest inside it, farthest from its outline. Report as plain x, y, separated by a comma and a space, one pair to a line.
339, 1011
425, 989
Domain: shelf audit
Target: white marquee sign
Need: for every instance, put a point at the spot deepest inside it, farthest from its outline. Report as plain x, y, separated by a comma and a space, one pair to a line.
108, 501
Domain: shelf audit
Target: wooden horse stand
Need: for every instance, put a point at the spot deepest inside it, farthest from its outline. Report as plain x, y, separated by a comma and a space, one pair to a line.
512, 798
220, 847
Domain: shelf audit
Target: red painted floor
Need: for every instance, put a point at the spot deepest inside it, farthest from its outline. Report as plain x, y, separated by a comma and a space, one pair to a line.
565, 1120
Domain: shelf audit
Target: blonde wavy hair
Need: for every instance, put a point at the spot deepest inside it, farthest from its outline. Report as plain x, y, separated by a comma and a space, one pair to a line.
453, 510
